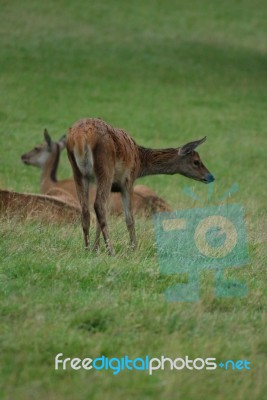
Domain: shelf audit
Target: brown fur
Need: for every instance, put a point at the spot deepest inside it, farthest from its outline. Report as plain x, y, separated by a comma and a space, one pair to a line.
47, 157
44, 208
110, 157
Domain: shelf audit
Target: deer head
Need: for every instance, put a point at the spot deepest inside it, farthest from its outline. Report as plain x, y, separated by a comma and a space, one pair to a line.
190, 164
39, 155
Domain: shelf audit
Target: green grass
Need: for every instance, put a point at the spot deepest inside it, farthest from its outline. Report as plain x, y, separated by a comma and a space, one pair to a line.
168, 72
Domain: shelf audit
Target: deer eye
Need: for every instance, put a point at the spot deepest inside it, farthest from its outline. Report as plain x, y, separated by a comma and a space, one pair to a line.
196, 163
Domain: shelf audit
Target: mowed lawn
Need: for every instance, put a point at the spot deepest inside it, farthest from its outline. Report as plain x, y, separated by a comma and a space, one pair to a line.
168, 72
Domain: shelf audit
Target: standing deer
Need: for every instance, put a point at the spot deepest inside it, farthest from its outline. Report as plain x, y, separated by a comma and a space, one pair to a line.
47, 156
113, 160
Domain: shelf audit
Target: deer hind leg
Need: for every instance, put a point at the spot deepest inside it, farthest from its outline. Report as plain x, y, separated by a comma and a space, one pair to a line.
85, 211
82, 189
97, 237
102, 195
127, 196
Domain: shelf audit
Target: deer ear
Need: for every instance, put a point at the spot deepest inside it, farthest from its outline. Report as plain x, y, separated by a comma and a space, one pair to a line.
47, 138
191, 146
62, 142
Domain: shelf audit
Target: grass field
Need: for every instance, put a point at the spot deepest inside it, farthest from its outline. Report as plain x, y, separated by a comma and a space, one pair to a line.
168, 72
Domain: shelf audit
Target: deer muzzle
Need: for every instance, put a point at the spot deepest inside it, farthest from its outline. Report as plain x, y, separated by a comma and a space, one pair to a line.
209, 178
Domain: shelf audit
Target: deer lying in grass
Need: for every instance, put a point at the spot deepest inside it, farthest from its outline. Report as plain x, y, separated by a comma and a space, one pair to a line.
38, 206
110, 157
47, 157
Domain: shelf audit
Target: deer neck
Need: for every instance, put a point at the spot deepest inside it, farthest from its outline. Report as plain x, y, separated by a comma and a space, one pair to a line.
49, 173
154, 162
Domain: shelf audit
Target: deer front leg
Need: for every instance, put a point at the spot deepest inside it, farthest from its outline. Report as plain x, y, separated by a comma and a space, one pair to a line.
127, 194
